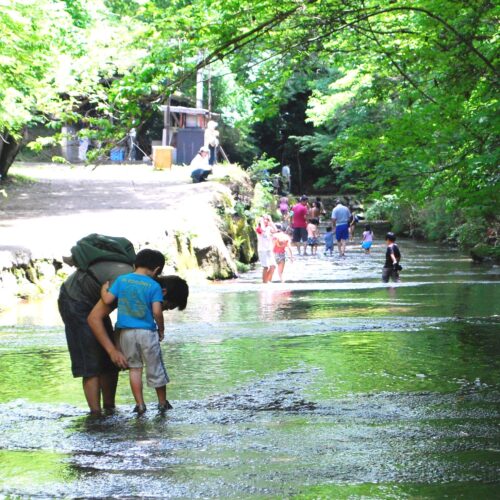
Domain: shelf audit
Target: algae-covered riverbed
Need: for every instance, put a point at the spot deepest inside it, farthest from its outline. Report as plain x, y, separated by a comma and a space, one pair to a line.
329, 386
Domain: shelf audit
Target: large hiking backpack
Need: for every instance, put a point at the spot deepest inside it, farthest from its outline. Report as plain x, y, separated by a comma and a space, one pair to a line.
98, 247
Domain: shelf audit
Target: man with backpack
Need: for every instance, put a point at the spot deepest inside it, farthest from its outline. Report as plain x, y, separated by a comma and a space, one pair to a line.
98, 259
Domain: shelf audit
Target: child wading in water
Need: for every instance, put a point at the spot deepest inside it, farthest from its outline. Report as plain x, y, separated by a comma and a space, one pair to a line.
329, 240
312, 235
140, 321
366, 242
284, 209
392, 257
282, 243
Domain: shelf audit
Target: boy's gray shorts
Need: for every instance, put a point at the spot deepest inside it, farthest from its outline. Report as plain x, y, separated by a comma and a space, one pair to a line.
142, 347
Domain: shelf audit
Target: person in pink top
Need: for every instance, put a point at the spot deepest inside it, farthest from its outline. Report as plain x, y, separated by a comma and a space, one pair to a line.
367, 240
299, 223
281, 243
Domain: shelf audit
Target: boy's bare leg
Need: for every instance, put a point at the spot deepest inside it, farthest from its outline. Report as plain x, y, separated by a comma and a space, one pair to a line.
161, 392
281, 267
108, 382
135, 375
92, 391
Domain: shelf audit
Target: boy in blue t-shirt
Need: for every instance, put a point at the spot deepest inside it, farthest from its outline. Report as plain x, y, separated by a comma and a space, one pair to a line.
140, 321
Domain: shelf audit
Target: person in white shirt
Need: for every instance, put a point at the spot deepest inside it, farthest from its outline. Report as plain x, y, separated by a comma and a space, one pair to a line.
287, 178
212, 141
201, 168
340, 221
265, 231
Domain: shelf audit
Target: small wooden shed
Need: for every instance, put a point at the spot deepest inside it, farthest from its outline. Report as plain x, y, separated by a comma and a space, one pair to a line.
184, 130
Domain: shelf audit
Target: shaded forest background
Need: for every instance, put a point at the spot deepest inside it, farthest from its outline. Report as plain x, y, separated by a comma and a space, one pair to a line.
396, 101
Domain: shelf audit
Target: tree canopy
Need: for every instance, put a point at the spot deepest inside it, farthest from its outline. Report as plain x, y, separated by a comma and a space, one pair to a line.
391, 98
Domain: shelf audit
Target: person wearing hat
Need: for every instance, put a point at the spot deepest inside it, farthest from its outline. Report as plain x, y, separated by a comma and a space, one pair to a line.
201, 159
299, 223
200, 165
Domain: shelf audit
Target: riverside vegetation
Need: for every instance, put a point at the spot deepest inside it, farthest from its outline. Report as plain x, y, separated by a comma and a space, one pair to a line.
394, 101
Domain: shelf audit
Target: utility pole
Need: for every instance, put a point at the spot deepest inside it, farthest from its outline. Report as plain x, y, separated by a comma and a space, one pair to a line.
199, 84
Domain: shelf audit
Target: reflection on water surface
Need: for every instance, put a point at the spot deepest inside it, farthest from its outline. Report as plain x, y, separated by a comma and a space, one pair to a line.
329, 386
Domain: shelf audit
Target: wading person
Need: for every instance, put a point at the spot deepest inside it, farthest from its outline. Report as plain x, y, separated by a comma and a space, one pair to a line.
392, 257
140, 325
299, 224
97, 361
340, 221
265, 230
312, 235
367, 241
284, 210
329, 240
281, 246
78, 295
175, 292
353, 220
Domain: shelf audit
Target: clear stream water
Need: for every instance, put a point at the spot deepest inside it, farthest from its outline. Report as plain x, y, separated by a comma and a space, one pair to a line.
331, 385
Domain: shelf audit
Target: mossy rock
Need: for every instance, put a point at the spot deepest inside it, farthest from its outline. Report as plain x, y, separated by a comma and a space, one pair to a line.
483, 252
247, 238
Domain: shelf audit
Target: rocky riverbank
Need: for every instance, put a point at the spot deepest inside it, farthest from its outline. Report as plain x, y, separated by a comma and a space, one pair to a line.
44, 209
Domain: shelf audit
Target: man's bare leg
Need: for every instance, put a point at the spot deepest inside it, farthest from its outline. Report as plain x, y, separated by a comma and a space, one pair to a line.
342, 247
108, 382
281, 267
92, 391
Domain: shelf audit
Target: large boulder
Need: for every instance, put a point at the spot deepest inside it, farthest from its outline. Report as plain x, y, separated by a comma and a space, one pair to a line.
483, 252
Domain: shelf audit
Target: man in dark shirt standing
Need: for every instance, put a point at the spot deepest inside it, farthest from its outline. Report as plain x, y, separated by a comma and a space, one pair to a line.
392, 257
79, 294
93, 353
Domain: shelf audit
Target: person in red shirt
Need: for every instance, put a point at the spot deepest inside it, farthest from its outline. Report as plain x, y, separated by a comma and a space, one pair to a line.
299, 223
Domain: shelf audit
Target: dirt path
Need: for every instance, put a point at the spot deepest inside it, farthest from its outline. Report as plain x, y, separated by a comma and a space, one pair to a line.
61, 204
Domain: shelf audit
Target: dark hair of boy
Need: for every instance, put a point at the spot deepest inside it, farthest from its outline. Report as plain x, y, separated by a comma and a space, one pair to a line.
390, 237
368, 228
150, 259
176, 291
329, 229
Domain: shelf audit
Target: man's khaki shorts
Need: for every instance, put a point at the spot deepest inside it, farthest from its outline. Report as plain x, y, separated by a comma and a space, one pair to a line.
142, 347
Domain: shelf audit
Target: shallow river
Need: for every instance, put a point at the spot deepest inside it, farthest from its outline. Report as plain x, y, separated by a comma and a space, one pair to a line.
331, 385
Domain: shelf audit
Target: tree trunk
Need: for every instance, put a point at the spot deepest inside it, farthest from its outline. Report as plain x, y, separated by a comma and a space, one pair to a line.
8, 151
300, 171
